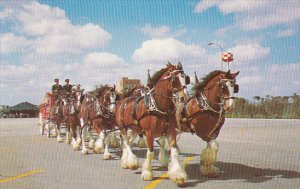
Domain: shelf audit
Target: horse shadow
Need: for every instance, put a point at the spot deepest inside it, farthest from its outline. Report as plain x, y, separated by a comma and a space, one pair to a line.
230, 171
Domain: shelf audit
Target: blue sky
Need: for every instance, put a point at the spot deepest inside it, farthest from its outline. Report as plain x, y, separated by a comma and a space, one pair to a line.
96, 42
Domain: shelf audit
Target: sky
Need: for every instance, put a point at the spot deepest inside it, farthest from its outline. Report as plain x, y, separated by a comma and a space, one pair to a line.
96, 42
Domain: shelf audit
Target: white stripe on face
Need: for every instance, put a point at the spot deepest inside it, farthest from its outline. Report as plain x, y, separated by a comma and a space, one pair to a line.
112, 97
230, 87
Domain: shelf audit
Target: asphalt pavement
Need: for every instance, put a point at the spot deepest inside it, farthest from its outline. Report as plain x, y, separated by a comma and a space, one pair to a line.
253, 154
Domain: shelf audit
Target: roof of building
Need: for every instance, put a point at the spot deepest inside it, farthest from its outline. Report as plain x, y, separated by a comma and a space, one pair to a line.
23, 106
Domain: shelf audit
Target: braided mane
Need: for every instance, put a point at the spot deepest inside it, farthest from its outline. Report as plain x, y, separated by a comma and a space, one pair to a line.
100, 90
128, 92
156, 77
200, 86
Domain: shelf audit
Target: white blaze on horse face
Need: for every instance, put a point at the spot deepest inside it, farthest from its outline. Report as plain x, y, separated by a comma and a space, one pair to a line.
78, 94
182, 93
65, 101
230, 87
112, 106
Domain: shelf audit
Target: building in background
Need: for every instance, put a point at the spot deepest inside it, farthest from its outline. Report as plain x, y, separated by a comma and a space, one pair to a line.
124, 83
24, 109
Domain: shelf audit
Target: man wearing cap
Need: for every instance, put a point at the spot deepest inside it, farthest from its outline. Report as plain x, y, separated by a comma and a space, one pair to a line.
56, 90
67, 88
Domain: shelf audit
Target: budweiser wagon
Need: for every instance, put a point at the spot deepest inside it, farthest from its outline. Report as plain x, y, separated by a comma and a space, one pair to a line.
44, 113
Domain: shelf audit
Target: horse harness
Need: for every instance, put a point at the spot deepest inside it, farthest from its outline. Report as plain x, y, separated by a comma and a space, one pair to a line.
203, 105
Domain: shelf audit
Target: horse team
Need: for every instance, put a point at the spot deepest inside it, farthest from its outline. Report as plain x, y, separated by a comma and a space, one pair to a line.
162, 109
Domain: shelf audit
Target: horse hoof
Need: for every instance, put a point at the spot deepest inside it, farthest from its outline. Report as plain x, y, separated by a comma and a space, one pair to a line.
133, 163
107, 156
180, 182
209, 171
97, 150
147, 175
141, 143
179, 177
84, 152
76, 147
59, 140
133, 166
91, 145
78, 141
124, 166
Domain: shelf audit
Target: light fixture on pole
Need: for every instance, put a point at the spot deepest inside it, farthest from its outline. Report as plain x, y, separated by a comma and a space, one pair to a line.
221, 48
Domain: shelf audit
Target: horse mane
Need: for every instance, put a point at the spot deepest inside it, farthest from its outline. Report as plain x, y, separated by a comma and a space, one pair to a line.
128, 92
156, 77
100, 90
200, 86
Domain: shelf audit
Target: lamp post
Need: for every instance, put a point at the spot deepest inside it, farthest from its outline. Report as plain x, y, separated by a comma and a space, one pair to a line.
222, 50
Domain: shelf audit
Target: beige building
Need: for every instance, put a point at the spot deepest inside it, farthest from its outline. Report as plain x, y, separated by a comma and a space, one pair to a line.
125, 82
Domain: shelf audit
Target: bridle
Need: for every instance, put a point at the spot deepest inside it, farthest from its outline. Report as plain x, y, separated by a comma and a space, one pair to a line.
175, 74
204, 104
172, 75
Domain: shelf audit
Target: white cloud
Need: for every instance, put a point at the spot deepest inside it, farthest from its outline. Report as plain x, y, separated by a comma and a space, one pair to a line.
11, 43
53, 33
249, 52
253, 15
5, 13
272, 79
161, 31
160, 51
103, 60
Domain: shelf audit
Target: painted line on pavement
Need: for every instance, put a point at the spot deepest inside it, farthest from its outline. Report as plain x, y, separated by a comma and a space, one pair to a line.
164, 176
7, 149
20, 176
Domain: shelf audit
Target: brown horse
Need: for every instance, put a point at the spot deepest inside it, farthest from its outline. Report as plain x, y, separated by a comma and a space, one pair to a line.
155, 118
56, 118
99, 115
70, 111
204, 113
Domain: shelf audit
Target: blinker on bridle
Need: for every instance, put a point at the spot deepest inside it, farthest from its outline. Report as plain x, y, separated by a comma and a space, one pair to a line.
235, 87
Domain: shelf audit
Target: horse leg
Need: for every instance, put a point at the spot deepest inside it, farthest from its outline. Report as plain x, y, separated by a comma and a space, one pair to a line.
68, 134
99, 144
208, 158
58, 138
78, 130
175, 170
128, 159
114, 141
84, 126
74, 144
91, 139
131, 136
53, 126
147, 173
163, 156
141, 142
106, 154
47, 126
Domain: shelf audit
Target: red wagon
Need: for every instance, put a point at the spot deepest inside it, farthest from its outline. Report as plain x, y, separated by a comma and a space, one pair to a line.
44, 112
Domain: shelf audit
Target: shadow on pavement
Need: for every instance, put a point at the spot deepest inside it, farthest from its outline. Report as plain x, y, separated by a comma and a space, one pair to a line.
231, 171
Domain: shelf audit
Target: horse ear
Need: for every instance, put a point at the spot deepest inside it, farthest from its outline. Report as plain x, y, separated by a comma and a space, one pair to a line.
235, 74
179, 66
228, 73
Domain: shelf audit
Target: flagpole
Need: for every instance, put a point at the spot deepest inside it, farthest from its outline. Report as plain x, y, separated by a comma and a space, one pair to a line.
221, 48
